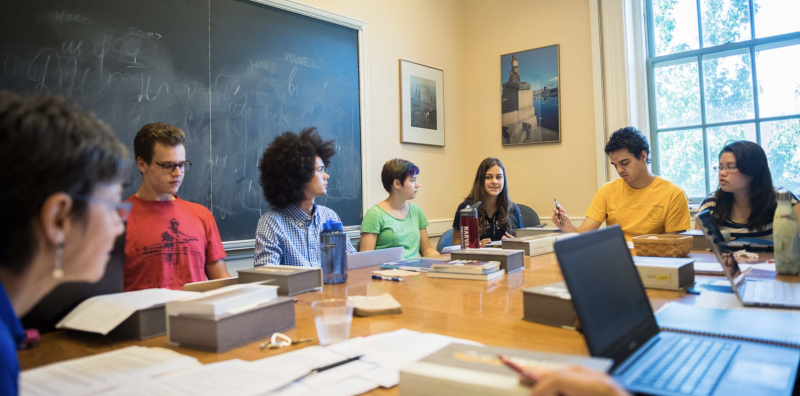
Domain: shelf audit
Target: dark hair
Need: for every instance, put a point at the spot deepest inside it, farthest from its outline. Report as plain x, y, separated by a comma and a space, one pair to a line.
144, 143
47, 146
631, 139
505, 208
750, 161
397, 169
288, 164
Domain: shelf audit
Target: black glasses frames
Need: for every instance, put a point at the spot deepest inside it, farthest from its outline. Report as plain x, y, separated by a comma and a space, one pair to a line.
169, 167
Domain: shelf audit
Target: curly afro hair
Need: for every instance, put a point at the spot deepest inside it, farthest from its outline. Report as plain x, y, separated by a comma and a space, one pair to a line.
631, 139
288, 164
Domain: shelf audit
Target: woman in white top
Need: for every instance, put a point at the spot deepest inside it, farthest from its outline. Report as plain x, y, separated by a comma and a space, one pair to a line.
745, 203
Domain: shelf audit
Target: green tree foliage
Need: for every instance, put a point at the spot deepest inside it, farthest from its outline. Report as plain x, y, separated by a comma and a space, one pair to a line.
783, 153
728, 94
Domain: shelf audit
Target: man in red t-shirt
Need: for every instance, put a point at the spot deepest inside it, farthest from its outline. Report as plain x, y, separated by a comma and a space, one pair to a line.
169, 241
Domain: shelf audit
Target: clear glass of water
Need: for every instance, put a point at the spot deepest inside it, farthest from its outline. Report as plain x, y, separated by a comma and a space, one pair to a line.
332, 318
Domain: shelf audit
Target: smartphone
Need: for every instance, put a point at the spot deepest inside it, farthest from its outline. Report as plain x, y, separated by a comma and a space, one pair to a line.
529, 379
559, 212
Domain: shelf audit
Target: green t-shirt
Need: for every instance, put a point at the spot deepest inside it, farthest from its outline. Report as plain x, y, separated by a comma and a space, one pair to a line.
393, 232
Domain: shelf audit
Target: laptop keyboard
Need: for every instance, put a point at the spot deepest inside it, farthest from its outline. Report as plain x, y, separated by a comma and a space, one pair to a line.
780, 292
686, 365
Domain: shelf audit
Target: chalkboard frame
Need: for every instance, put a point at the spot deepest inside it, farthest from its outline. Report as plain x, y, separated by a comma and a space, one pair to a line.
363, 94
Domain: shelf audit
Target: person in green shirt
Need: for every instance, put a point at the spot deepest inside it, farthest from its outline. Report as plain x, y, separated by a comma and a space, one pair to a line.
394, 221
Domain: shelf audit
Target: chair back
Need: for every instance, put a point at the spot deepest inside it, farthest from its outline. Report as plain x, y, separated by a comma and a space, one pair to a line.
529, 216
445, 240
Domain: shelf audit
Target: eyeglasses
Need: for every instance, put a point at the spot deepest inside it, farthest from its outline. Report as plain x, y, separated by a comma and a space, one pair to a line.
729, 169
123, 209
169, 167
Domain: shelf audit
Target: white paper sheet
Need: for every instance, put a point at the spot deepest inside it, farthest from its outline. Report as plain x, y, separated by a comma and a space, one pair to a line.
101, 314
102, 372
393, 351
231, 377
297, 363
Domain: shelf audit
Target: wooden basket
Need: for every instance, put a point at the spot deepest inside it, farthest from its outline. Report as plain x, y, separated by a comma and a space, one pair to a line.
664, 246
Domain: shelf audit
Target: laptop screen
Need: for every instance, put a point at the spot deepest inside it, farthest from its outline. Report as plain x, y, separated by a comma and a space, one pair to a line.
721, 250
608, 295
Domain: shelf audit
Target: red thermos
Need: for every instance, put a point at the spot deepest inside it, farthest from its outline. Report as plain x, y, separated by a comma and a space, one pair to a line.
470, 237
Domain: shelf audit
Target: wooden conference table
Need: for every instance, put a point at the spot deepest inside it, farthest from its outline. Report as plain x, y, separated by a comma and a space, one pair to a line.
489, 313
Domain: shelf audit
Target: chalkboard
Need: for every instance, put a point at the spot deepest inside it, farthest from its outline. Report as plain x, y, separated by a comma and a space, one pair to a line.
231, 74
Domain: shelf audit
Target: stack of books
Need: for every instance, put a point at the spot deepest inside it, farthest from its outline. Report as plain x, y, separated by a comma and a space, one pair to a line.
467, 269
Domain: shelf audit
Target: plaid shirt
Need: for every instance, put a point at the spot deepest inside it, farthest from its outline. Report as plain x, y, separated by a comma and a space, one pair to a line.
289, 236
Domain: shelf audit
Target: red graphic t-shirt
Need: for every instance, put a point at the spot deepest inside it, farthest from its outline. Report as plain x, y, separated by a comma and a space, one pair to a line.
168, 244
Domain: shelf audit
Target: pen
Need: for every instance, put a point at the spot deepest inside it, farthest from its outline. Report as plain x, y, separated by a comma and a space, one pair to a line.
319, 370
391, 278
559, 212
334, 365
530, 379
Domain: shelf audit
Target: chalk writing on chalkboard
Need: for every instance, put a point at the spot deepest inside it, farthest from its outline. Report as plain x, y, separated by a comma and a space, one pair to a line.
232, 74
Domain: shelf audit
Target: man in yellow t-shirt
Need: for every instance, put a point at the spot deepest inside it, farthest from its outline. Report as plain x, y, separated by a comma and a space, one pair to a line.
640, 202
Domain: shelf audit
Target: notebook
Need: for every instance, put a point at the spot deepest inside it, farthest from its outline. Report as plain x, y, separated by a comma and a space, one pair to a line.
708, 269
776, 328
498, 274
414, 264
467, 267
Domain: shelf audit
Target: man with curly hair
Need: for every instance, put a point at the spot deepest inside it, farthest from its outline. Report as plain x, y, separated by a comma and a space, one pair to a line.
639, 201
170, 242
292, 175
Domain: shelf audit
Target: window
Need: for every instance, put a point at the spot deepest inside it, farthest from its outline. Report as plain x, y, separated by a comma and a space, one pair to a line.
719, 71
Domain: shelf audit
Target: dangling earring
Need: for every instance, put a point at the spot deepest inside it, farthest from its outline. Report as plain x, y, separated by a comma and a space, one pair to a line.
58, 273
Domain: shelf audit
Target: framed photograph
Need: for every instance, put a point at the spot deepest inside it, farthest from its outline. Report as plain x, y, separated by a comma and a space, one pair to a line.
422, 104
531, 105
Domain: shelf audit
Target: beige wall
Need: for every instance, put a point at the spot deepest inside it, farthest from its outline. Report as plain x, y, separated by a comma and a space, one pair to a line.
465, 38
536, 173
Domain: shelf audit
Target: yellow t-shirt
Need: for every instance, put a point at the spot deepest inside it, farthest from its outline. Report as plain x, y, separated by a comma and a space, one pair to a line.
658, 208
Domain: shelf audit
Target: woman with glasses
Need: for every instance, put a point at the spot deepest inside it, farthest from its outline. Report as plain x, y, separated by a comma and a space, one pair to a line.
745, 202
61, 213
170, 242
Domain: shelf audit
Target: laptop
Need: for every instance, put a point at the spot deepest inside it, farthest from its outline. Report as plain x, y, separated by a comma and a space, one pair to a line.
618, 323
65, 297
751, 292
373, 257
752, 244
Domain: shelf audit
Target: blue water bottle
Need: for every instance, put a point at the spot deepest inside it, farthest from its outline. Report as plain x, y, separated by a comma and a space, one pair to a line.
333, 252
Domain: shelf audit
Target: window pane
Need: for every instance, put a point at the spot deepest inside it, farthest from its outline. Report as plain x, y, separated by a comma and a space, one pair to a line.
718, 137
681, 160
774, 17
780, 141
677, 94
728, 82
725, 21
675, 25
778, 80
